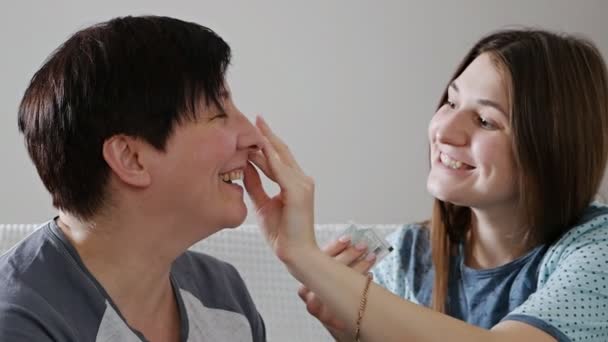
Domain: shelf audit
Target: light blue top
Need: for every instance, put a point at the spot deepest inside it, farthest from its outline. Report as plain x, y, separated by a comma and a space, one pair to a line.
560, 289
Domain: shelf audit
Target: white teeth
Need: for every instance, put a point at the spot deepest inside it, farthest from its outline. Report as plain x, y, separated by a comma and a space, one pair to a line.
233, 175
449, 162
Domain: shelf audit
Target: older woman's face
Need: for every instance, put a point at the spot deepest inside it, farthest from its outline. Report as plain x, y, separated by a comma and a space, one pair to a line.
472, 160
197, 172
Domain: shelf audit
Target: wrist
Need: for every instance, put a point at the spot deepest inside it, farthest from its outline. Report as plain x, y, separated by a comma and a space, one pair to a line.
294, 255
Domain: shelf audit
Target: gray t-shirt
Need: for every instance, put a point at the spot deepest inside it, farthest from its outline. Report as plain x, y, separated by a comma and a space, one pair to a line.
47, 294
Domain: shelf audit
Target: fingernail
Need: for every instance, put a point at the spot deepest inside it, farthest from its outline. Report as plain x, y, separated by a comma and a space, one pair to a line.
361, 246
370, 257
344, 238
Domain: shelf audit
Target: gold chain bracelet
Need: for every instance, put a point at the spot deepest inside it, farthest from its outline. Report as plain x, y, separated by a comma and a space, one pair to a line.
362, 305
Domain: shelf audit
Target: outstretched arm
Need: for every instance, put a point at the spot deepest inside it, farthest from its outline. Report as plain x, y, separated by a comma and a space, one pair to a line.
288, 223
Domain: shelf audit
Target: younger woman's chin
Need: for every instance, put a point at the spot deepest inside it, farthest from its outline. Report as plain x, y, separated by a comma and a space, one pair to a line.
448, 198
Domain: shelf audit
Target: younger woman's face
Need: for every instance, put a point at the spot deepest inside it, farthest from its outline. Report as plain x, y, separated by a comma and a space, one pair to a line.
472, 159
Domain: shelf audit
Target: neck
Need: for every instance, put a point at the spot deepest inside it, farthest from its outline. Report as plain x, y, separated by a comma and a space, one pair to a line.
497, 237
131, 258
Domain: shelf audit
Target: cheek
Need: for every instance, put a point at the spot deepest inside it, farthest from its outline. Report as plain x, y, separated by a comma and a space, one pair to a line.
432, 129
495, 154
216, 148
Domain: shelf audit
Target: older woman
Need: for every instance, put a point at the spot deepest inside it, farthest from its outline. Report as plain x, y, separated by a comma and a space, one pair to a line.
132, 129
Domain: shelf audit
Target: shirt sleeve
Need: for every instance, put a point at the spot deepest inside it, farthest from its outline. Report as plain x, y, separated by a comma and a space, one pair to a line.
571, 304
258, 327
389, 272
18, 324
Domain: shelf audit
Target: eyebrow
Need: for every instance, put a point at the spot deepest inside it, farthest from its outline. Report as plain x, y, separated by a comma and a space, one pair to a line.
483, 102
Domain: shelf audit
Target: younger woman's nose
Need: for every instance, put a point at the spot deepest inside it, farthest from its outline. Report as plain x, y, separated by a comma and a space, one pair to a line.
451, 129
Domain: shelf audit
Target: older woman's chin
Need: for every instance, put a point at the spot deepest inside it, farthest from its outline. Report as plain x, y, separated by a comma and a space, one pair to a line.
235, 217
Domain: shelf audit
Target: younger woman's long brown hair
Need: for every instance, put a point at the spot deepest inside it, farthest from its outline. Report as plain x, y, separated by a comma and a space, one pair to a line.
558, 94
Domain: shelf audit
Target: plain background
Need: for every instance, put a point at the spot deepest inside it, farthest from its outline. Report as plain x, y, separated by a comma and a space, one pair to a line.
350, 85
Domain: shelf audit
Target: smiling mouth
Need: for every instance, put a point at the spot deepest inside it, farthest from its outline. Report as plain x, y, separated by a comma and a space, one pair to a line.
453, 163
228, 177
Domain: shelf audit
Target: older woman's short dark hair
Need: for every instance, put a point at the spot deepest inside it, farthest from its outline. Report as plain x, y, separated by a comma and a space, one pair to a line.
137, 76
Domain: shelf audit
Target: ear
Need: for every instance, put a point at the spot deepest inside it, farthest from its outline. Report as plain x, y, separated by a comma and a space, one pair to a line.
124, 156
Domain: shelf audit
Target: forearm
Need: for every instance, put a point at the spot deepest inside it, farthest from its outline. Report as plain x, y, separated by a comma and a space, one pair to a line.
387, 317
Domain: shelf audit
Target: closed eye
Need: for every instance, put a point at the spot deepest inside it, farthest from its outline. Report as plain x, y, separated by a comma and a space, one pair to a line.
219, 115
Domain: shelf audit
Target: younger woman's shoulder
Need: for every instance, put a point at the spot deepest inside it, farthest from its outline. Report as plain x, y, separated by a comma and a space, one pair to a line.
591, 227
594, 211
587, 239
572, 295
411, 250
409, 234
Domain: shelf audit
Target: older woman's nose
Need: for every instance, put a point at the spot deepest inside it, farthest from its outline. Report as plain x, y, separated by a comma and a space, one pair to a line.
250, 137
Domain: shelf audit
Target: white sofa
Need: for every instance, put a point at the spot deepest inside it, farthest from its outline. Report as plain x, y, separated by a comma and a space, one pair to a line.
272, 288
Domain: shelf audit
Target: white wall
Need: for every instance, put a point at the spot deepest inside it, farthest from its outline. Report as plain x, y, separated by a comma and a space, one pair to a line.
350, 84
